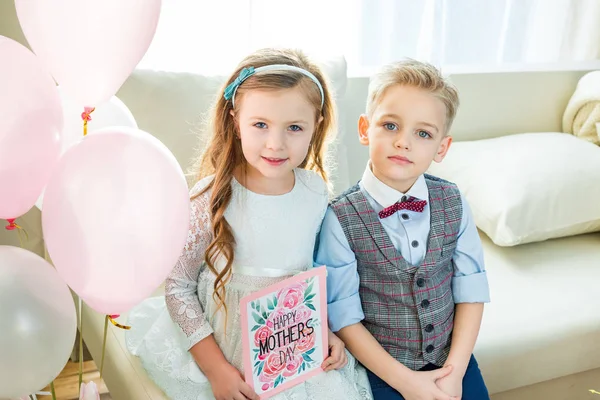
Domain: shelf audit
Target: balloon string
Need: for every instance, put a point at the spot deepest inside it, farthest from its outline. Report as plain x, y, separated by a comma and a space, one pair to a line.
86, 116
80, 342
104, 345
108, 318
52, 390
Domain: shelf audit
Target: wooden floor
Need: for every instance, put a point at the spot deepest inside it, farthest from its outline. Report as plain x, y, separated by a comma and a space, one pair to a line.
66, 384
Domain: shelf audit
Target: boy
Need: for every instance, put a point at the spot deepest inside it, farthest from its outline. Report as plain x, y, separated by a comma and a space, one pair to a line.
406, 282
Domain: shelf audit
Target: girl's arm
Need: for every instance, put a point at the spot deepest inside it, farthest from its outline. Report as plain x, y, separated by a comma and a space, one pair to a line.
181, 287
181, 295
226, 381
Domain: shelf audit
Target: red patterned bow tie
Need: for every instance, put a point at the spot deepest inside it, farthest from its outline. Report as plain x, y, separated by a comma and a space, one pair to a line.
414, 205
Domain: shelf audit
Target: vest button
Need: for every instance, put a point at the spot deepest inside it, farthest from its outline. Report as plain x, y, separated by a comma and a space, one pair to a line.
425, 303
404, 216
429, 349
429, 328
420, 282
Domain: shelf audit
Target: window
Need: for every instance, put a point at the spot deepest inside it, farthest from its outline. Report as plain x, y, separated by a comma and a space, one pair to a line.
211, 37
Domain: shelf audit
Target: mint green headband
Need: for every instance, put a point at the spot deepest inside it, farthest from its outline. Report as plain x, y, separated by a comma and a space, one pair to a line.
248, 72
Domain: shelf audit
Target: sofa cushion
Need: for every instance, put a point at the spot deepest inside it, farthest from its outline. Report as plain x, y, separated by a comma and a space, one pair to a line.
527, 187
543, 321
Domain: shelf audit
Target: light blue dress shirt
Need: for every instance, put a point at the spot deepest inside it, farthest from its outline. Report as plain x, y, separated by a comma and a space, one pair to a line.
469, 283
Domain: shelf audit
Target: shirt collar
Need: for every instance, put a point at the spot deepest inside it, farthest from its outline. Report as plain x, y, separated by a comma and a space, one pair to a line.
385, 195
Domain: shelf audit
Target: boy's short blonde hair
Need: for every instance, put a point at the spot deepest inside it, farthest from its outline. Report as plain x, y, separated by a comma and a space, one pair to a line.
417, 74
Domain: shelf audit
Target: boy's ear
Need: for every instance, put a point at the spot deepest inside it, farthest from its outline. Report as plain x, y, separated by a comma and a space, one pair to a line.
363, 130
443, 149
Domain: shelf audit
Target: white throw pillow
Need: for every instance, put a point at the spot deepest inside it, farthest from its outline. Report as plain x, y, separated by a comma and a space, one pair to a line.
527, 187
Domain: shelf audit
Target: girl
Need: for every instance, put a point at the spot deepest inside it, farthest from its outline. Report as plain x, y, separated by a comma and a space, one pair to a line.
256, 209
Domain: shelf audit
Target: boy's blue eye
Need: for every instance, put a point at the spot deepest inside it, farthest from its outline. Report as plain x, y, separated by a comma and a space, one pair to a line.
390, 126
424, 134
260, 125
295, 128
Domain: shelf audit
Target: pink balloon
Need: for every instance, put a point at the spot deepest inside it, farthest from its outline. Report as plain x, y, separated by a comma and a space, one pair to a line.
116, 217
90, 46
30, 128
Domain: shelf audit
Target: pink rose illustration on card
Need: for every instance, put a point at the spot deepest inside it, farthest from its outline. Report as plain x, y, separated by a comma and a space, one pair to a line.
285, 332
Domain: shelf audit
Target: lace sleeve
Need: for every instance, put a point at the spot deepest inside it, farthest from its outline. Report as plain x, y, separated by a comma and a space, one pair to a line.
181, 287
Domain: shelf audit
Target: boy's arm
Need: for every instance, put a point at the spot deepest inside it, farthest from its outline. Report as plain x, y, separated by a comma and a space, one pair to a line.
413, 385
467, 320
373, 356
469, 283
470, 290
333, 251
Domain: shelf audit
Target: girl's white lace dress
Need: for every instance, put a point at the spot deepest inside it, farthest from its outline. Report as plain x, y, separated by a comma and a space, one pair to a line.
274, 238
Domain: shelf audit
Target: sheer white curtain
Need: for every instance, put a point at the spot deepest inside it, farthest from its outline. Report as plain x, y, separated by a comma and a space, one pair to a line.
210, 36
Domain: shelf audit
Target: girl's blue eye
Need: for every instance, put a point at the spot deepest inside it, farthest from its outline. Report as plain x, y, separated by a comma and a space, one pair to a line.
295, 128
390, 126
424, 134
260, 125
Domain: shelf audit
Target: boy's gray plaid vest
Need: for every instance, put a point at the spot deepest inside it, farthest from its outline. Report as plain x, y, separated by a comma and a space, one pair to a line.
408, 309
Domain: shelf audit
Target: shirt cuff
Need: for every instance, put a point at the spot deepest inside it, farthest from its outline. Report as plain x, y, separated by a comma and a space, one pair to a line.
472, 288
345, 312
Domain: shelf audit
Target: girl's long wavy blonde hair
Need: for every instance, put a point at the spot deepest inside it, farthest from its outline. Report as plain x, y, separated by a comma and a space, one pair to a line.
223, 153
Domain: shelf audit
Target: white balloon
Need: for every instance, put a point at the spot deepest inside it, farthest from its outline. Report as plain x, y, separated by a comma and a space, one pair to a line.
110, 113
38, 322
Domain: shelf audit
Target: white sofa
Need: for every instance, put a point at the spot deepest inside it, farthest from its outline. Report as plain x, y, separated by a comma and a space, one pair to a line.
540, 337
